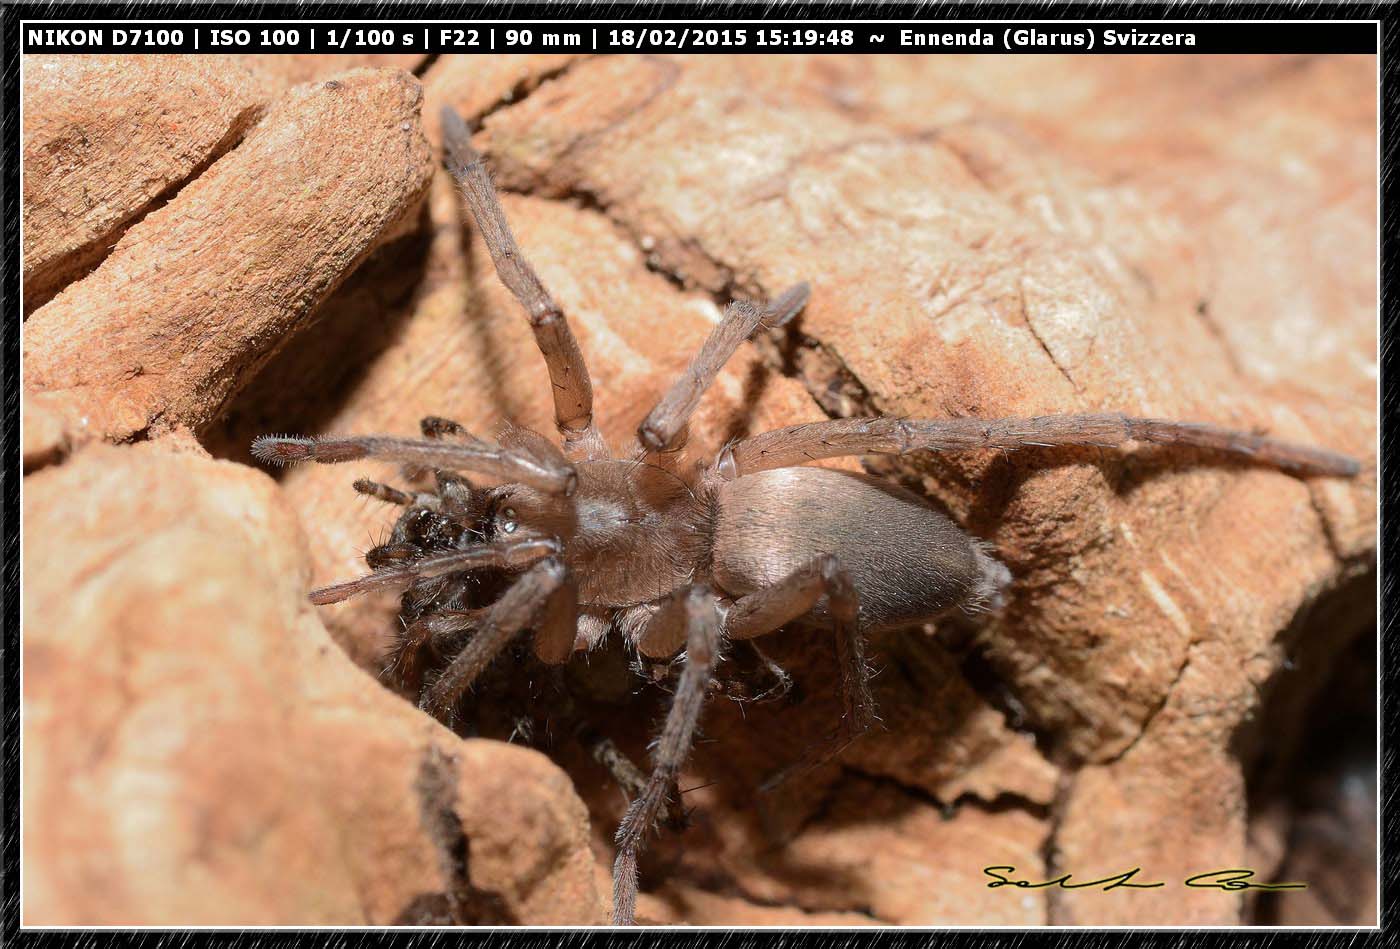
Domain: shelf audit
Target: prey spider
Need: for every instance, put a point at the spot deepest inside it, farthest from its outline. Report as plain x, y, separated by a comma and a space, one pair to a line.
577, 543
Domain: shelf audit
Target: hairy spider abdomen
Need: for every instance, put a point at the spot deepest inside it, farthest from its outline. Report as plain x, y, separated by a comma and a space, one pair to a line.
908, 562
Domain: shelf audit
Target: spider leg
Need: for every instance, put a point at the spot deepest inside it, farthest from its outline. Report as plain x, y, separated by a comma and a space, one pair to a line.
605, 751
799, 444
672, 748
388, 555
664, 427
548, 475
741, 688
435, 426
454, 491
796, 594
516, 552
554, 637
622, 769
530, 600
440, 633
667, 628
382, 492
783, 681
568, 373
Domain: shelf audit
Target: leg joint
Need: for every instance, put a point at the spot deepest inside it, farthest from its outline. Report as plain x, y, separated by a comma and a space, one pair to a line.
841, 594
544, 314
837, 580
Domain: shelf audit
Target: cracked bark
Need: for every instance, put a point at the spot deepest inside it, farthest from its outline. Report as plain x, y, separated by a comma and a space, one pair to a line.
198, 752
107, 140
634, 187
221, 273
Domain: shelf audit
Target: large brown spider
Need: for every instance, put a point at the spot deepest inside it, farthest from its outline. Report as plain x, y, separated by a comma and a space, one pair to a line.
577, 543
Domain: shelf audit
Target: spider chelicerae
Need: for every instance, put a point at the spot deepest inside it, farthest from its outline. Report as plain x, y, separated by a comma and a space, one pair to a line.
576, 544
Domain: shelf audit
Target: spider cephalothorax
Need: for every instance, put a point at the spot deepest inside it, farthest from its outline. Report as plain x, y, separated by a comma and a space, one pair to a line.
576, 544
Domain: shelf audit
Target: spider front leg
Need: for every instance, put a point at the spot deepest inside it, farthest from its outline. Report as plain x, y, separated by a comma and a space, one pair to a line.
799, 444
568, 373
702, 642
542, 598
664, 428
552, 475
515, 552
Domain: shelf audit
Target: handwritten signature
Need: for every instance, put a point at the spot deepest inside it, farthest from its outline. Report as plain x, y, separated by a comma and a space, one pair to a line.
1233, 879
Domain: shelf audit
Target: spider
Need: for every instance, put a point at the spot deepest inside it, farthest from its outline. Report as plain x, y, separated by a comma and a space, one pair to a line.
576, 544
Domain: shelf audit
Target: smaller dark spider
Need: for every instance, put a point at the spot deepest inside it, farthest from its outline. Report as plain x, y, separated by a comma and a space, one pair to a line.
578, 543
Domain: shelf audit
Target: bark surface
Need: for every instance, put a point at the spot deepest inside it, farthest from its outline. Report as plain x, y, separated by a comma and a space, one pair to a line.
985, 236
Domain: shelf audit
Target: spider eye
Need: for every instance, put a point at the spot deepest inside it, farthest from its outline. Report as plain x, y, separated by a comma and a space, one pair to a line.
508, 521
